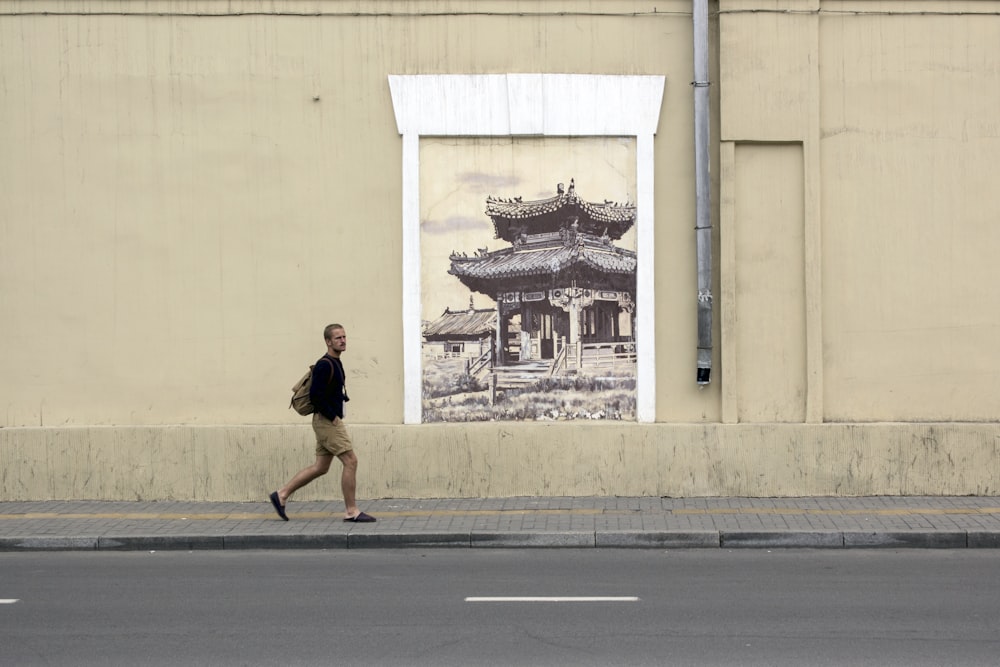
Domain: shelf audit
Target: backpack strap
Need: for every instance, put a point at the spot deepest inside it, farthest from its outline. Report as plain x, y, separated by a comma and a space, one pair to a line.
333, 369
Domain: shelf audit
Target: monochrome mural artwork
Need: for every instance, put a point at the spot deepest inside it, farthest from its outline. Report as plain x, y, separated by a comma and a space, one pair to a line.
528, 278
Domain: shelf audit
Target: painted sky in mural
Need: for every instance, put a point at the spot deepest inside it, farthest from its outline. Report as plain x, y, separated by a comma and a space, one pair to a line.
459, 174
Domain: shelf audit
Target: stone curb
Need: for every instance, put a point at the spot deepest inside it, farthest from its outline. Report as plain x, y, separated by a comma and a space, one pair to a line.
517, 540
908, 540
47, 543
782, 540
983, 539
160, 543
365, 540
524, 539
707, 539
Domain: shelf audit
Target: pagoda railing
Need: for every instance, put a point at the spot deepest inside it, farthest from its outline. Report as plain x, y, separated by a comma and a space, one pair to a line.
482, 363
611, 354
558, 364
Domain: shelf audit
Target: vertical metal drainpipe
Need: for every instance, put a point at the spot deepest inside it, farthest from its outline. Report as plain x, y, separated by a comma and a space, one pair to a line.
703, 213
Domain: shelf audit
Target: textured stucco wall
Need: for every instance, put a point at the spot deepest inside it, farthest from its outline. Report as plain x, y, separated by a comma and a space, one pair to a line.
893, 107
193, 189
237, 463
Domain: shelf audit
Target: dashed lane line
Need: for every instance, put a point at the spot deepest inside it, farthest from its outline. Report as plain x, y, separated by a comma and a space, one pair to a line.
552, 599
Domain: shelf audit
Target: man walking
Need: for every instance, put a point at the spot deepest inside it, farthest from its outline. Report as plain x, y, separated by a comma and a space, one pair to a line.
328, 396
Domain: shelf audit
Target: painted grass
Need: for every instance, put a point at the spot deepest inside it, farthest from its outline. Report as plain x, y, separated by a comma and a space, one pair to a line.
450, 395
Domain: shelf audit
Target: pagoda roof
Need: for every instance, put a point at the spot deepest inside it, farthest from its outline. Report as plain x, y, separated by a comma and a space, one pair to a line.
594, 263
513, 217
462, 323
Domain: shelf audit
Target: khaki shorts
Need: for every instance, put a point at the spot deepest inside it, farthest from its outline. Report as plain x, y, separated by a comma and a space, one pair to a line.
331, 437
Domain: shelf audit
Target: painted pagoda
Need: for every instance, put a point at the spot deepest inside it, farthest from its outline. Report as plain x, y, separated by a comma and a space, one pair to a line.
565, 292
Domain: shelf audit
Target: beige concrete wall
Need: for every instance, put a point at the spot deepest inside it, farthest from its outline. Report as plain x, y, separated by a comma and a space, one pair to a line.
191, 190
910, 138
770, 298
191, 198
894, 106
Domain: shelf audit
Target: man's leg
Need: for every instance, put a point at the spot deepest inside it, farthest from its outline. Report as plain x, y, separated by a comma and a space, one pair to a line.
306, 475
348, 483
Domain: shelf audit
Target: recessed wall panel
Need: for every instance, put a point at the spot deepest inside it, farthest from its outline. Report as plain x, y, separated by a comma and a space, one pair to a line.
770, 285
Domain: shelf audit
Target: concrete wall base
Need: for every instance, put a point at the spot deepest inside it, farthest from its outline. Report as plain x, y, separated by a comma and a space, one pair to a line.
241, 463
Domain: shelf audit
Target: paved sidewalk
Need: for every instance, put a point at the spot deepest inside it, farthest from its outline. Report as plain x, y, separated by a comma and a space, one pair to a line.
660, 523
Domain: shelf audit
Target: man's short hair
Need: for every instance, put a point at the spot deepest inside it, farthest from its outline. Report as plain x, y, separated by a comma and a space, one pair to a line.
328, 331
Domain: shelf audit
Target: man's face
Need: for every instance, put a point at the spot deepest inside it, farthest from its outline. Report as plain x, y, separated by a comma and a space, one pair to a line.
338, 340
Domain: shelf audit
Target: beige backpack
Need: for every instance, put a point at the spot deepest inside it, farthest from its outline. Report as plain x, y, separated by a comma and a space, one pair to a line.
300, 393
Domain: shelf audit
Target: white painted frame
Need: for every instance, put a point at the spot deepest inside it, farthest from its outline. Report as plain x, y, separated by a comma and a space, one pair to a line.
502, 105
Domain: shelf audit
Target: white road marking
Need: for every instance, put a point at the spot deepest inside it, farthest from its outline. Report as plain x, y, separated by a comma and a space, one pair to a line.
9, 601
552, 599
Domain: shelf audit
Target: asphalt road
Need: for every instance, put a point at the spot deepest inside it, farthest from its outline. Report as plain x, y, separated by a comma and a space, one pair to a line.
454, 607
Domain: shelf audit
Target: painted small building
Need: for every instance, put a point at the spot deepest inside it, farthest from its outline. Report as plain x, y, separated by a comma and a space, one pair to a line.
460, 333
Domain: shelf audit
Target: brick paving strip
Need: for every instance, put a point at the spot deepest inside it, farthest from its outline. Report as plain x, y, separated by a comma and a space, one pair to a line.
256, 516
612, 522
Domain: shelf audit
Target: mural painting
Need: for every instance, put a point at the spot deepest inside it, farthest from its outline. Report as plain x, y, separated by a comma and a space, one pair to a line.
528, 279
